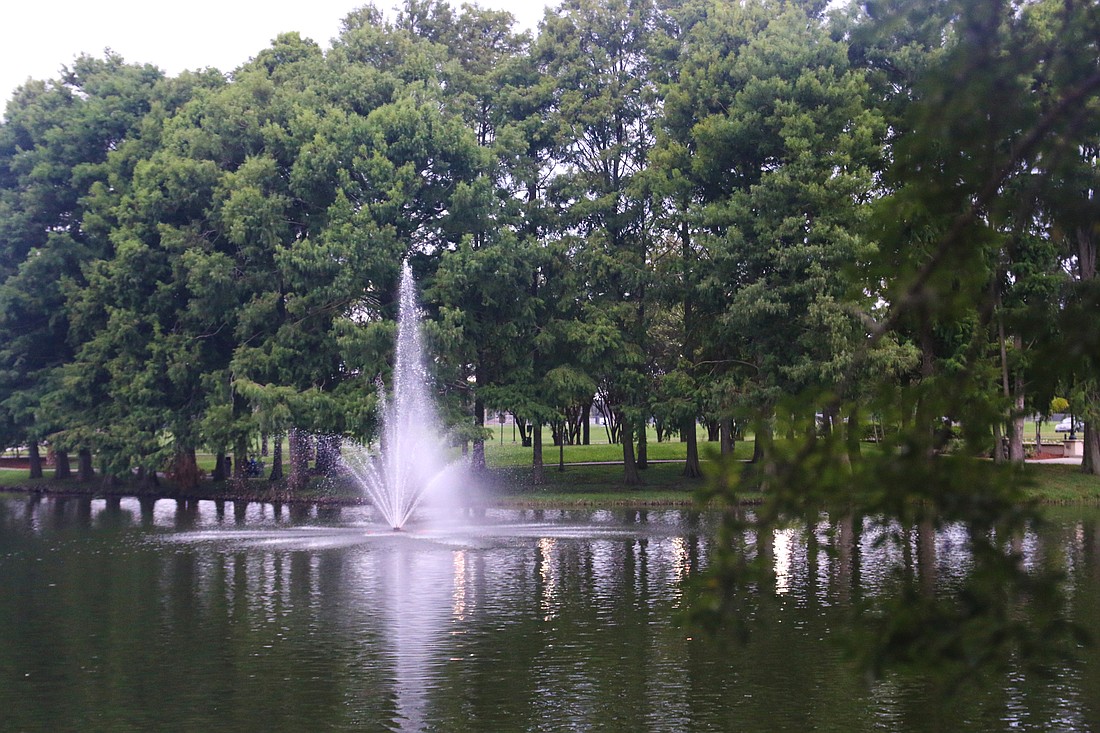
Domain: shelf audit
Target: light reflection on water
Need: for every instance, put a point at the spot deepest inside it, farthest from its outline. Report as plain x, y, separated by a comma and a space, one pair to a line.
520, 620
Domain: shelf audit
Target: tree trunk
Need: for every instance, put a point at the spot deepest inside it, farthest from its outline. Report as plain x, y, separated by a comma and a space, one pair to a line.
299, 460
614, 427
586, 424
478, 460
109, 480
1015, 423
692, 467
1087, 271
185, 469
536, 452
524, 430
146, 479
219, 473
35, 459
761, 441
1016, 444
1016, 426
688, 433
999, 454
834, 429
853, 435
276, 459
925, 421
726, 437
643, 451
1091, 462
631, 476
61, 467
85, 469
240, 458
1086, 253
829, 419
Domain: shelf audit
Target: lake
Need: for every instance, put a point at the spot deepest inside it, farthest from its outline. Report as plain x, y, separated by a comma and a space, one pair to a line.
173, 616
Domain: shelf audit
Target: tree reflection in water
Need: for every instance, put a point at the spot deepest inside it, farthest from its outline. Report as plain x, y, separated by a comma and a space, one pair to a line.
302, 620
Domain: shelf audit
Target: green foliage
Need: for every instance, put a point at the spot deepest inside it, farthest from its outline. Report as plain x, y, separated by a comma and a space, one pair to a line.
959, 260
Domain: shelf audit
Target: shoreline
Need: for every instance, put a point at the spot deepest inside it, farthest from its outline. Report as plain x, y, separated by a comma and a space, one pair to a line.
1052, 484
70, 489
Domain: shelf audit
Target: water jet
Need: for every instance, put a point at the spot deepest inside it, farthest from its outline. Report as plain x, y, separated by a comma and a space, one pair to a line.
409, 460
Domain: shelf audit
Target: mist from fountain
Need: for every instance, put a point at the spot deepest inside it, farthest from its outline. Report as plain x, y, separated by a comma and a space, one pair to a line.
410, 460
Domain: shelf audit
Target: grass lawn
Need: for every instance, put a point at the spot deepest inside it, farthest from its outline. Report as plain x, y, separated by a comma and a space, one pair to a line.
1063, 484
1052, 484
14, 477
580, 484
502, 451
591, 485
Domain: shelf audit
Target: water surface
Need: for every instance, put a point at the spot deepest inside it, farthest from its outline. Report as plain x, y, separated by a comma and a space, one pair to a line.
184, 617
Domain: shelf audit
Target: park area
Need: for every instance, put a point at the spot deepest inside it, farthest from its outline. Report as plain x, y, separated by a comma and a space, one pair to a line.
668, 366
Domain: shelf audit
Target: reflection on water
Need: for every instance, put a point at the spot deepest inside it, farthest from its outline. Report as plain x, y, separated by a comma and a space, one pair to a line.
132, 615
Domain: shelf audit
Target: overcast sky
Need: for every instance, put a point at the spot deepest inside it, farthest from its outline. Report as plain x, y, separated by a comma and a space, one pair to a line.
42, 35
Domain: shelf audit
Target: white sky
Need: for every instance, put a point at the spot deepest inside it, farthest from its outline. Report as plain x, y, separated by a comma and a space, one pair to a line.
40, 36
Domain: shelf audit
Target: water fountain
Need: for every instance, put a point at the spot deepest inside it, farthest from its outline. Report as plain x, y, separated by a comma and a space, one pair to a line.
410, 461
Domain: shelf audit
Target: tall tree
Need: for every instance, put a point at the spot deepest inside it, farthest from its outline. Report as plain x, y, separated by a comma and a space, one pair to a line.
598, 54
769, 149
953, 177
1068, 185
54, 149
480, 284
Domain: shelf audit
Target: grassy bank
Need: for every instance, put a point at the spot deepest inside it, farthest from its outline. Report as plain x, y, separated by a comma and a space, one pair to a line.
503, 451
593, 485
580, 484
1051, 484
1062, 484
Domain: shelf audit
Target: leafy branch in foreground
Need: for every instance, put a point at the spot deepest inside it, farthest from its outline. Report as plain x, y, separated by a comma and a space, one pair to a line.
960, 190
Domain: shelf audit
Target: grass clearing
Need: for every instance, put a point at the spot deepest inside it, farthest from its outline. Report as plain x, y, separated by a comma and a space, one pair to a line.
506, 455
1055, 483
17, 477
584, 479
580, 484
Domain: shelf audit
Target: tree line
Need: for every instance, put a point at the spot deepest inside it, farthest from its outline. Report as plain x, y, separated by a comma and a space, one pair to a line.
770, 213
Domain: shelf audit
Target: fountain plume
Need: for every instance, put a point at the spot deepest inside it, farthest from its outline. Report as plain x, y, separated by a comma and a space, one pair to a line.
398, 477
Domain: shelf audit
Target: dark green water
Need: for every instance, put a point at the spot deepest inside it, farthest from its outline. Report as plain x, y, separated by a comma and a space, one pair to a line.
187, 618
